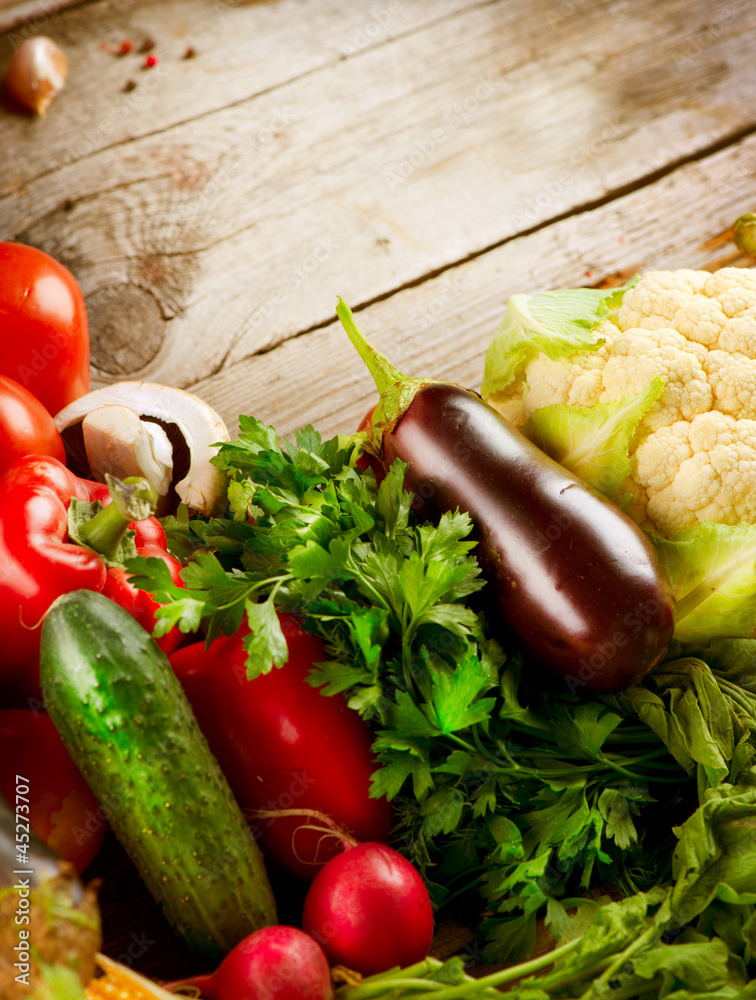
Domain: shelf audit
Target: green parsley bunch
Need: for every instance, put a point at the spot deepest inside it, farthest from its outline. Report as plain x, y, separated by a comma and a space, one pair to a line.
541, 801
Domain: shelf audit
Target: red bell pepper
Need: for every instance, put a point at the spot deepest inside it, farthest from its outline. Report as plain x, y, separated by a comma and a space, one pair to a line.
39, 560
283, 745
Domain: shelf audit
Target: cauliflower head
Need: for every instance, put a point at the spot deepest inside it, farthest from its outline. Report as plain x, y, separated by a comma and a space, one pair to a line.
689, 446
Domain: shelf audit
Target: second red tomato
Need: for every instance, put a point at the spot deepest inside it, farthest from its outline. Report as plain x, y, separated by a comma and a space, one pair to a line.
26, 428
61, 808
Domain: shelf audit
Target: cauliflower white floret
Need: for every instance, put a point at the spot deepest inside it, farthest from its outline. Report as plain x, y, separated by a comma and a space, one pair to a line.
733, 379
693, 456
704, 470
734, 288
659, 294
638, 355
576, 380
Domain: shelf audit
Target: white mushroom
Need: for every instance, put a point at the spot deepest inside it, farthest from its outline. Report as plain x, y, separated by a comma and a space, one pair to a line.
118, 442
157, 431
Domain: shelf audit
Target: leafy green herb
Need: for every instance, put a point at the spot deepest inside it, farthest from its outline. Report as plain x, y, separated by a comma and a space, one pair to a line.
532, 797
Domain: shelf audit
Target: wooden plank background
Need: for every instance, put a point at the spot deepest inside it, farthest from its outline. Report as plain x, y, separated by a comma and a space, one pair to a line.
30, 15
213, 213
424, 159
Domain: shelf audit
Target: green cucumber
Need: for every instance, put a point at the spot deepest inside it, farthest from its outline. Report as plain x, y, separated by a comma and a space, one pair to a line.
126, 722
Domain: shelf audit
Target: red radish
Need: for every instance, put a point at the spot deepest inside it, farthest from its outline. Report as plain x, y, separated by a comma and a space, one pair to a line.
275, 963
369, 909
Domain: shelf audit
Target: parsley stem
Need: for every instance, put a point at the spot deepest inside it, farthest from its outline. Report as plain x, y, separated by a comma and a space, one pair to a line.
560, 981
490, 756
650, 756
619, 960
464, 889
632, 734
515, 769
631, 991
245, 592
503, 977
428, 964
388, 988
462, 743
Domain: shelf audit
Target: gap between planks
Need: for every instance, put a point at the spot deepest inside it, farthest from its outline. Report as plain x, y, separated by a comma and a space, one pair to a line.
441, 328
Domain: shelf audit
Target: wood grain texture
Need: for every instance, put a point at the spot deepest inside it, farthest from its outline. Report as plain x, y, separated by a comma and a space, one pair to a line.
243, 49
216, 233
442, 327
32, 14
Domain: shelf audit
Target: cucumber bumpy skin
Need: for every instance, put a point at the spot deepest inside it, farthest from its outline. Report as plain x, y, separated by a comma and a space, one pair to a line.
126, 722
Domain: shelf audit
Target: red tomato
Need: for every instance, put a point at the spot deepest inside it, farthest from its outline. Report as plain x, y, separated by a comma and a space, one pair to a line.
43, 319
284, 745
63, 811
26, 428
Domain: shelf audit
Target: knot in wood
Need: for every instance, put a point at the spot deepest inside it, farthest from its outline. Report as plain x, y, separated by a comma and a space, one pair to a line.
126, 328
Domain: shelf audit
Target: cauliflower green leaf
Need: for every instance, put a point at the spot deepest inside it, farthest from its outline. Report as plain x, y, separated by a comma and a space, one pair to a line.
557, 323
712, 569
594, 443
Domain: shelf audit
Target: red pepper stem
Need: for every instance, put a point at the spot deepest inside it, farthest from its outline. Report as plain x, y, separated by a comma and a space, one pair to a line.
134, 499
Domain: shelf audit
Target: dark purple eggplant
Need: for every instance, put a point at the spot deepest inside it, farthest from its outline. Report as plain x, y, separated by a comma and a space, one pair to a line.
573, 576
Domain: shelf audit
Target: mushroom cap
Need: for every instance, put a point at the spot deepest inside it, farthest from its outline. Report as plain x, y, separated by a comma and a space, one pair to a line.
193, 427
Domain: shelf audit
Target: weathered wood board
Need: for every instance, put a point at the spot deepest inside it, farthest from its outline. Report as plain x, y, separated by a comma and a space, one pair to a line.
442, 327
30, 16
215, 212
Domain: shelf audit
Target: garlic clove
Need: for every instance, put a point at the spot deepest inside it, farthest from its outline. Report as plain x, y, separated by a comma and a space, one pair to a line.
119, 443
192, 428
36, 73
